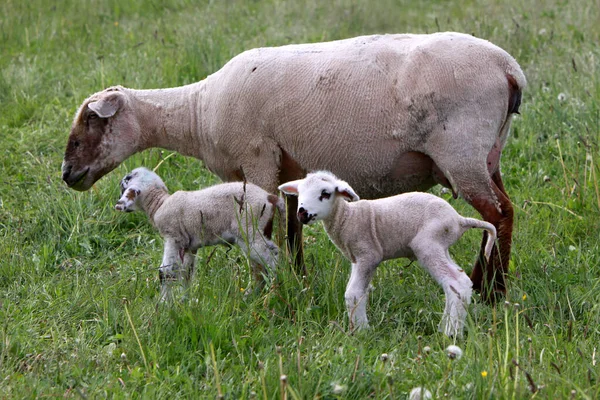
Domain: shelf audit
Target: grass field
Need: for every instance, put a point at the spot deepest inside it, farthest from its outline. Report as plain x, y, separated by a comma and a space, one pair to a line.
79, 283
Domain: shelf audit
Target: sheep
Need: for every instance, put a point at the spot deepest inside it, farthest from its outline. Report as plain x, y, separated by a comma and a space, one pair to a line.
414, 225
387, 113
229, 213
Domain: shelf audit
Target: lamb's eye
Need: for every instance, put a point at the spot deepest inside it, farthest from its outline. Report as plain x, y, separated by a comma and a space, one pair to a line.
324, 195
75, 143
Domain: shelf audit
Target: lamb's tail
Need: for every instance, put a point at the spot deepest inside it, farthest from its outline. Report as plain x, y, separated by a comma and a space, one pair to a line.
486, 226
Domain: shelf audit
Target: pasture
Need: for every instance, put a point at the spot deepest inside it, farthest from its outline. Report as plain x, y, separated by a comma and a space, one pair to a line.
79, 290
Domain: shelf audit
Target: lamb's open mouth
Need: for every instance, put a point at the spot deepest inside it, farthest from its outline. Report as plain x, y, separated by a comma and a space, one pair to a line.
307, 219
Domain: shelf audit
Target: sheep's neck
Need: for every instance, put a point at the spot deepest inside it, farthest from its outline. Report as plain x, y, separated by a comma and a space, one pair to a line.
334, 223
153, 199
171, 118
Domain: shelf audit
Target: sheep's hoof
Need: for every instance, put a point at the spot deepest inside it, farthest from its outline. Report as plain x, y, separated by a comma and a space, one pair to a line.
491, 296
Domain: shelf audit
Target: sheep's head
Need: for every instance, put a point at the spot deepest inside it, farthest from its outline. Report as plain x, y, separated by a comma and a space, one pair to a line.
133, 185
104, 133
317, 194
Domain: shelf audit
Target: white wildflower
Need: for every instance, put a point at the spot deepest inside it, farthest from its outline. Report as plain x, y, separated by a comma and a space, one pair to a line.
338, 389
419, 393
542, 31
572, 248
454, 352
562, 97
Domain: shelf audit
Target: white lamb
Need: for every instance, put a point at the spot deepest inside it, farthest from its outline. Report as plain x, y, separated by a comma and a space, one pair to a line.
414, 225
233, 213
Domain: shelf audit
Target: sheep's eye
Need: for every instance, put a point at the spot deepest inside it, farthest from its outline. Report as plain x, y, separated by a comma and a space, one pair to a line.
324, 195
75, 143
92, 116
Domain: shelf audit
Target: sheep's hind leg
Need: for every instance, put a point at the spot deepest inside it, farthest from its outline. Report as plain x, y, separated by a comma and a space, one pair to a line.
188, 269
497, 209
485, 192
455, 282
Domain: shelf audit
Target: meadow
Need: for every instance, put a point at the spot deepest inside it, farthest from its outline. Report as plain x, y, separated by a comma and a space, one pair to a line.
79, 290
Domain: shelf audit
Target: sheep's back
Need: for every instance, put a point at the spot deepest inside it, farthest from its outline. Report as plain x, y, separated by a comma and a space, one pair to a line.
213, 213
385, 93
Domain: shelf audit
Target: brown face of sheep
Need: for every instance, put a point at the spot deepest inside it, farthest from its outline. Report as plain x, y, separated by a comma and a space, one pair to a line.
100, 139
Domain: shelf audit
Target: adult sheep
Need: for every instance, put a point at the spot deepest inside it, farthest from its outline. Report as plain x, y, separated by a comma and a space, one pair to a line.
387, 113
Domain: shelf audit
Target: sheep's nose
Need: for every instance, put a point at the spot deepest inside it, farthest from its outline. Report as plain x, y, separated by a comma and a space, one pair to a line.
303, 215
66, 172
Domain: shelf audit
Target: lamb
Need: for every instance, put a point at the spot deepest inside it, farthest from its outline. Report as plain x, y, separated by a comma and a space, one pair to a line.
229, 213
387, 113
415, 225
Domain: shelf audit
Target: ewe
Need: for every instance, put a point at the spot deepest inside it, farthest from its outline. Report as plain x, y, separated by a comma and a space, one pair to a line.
414, 225
234, 213
387, 113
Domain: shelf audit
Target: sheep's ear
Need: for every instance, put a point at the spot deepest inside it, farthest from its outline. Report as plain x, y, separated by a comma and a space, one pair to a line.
346, 191
108, 105
290, 188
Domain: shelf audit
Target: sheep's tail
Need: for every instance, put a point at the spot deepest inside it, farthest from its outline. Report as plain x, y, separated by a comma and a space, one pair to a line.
486, 226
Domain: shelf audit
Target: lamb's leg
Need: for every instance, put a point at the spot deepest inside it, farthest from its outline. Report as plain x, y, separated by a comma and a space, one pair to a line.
455, 282
485, 193
189, 268
357, 293
171, 268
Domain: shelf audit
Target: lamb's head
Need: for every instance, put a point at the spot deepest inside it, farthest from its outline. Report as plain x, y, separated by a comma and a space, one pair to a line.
133, 187
317, 194
104, 133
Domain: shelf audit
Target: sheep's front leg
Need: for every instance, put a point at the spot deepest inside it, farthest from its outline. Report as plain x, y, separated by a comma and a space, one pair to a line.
171, 268
357, 293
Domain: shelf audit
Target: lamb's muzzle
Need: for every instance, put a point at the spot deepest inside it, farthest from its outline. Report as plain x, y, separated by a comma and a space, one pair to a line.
415, 225
234, 213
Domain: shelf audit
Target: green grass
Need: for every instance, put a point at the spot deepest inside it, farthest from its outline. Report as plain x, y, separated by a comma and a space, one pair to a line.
79, 284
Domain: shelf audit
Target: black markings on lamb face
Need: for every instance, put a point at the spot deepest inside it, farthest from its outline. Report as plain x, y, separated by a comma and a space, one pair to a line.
324, 195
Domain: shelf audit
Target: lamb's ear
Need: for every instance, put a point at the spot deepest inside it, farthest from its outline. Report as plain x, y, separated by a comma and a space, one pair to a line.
290, 188
127, 201
343, 189
108, 105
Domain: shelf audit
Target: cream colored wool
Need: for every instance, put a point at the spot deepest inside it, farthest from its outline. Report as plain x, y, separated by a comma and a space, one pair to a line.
418, 226
387, 113
234, 213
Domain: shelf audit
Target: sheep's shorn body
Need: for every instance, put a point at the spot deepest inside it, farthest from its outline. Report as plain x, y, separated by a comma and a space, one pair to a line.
387, 113
234, 213
414, 225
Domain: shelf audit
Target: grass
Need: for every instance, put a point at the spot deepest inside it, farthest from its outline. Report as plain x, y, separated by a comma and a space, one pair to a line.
79, 284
